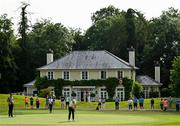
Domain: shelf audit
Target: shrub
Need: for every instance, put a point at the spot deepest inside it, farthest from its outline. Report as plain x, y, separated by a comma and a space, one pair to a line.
44, 92
137, 89
154, 94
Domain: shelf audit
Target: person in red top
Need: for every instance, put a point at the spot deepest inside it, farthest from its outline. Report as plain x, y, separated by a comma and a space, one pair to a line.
165, 104
26, 101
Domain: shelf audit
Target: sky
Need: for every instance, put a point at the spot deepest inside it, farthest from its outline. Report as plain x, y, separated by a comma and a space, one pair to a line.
77, 13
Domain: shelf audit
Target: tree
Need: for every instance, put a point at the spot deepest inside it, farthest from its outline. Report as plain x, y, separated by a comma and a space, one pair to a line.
175, 75
7, 65
22, 55
163, 41
137, 89
104, 13
46, 35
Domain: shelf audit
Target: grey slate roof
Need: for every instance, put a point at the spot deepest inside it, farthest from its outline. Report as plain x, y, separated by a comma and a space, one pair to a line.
88, 60
145, 80
30, 84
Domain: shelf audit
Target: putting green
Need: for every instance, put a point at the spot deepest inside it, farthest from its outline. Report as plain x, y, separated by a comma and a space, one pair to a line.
59, 117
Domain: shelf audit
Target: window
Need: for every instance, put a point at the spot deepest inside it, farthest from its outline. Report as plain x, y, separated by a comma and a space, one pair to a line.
84, 75
103, 93
120, 74
50, 76
120, 93
103, 75
66, 75
66, 92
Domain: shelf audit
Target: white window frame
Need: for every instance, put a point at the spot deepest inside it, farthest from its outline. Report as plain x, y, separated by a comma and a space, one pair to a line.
104, 93
120, 91
50, 75
65, 91
86, 78
100, 75
63, 76
122, 74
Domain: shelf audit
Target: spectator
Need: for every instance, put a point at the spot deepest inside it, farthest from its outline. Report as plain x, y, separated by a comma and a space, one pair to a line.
116, 103
177, 104
31, 102
152, 103
135, 100
161, 103
141, 102
130, 102
165, 104
37, 103
170, 101
62, 102
26, 101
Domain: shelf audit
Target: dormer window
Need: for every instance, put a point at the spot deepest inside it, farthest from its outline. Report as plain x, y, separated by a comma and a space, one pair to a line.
103, 75
50, 76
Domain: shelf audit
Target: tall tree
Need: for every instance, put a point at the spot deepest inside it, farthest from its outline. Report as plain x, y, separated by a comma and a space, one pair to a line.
46, 35
175, 75
163, 40
7, 64
104, 13
22, 55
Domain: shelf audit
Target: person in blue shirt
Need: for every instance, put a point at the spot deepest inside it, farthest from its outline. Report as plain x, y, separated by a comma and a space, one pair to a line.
135, 100
177, 104
141, 102
116, 103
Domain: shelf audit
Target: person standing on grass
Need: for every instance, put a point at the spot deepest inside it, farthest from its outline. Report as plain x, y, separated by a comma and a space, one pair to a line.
141, 102
50, 102
177, 104
130, 102
72, 107
99, 104
116, 103
152, 103
31, 102
47, 101
10, 101
67, 102
135, 102
165, 104
26, 101
170, 101
103, 103
161, 103
62, 102
37, 103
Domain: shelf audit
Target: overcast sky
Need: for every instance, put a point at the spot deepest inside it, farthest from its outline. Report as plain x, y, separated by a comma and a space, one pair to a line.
77, 13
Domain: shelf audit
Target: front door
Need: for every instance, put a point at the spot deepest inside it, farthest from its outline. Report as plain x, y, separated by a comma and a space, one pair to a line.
82, 95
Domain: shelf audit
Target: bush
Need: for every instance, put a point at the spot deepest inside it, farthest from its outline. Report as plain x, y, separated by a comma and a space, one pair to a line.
166, 92
127, 83
137, 89
73, 94
44, 92
92, 95
154, 94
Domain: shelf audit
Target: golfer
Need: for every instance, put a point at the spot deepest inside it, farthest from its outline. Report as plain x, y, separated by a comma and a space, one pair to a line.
50, 104
72, 107
10, 101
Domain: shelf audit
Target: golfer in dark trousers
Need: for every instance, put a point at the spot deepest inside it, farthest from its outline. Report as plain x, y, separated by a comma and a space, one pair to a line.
50, 104
10, 101
72, 107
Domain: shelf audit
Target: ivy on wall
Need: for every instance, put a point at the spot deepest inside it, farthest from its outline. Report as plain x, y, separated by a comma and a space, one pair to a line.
110, 83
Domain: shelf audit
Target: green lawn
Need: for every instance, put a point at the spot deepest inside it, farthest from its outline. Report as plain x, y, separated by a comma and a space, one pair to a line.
59, 117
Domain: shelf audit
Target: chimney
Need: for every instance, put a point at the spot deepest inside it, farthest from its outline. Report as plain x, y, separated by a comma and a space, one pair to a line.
132, 56
157, 71
49, 56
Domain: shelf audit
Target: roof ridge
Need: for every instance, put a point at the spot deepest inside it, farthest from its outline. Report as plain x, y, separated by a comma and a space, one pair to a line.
121, 60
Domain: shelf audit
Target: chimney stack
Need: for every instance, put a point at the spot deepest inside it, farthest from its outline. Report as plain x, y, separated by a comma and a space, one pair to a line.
49, 57
132, 56
157, 71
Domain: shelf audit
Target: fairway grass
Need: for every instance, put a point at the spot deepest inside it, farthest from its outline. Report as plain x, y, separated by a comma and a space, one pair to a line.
108, 117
